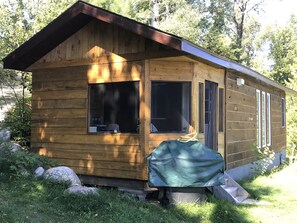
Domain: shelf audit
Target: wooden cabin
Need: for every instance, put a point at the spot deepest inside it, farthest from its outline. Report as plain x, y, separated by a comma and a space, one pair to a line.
106, 90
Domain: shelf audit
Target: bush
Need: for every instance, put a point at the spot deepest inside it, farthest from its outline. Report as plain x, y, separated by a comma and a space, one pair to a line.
21, 163
265, 158
18, 121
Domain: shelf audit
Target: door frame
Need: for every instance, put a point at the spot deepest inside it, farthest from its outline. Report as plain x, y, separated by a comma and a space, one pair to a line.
211, 114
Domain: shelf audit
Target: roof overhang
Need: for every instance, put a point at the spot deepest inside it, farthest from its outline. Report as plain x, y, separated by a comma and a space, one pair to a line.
81, 13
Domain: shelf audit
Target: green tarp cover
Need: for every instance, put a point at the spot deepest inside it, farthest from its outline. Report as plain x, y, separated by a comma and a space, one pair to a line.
184, 164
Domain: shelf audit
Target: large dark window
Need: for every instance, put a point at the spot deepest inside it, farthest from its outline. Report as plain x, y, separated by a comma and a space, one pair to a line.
170, 106
114, 107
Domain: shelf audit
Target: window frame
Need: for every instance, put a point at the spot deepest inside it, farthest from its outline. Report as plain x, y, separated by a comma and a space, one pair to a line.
263, 120
268, 121
283, 111
221, 100
189, 109
264, 127
89, 108
259, 120
201, 107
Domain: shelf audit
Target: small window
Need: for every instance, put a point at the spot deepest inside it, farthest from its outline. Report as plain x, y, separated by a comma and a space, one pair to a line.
258, 98
170, 106
201, 110
221, 109
283, 113
268, 119
263, 119
114, 107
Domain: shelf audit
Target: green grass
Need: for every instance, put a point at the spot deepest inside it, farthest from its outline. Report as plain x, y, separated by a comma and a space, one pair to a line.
27, 200
279, 191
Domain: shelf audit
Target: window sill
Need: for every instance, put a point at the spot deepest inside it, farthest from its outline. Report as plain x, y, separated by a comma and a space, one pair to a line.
115, 134
168, 133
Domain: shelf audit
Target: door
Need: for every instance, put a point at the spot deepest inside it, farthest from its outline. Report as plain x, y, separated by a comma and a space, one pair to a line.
211, 133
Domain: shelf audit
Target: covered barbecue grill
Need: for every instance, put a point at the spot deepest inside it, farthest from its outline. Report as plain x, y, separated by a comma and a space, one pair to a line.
184, 164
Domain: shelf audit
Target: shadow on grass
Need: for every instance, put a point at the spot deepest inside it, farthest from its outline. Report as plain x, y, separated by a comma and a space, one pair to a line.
260, 192
224, 211
213, 211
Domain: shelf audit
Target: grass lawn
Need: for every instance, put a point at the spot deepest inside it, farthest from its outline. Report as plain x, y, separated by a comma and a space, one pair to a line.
26, 200
280, 191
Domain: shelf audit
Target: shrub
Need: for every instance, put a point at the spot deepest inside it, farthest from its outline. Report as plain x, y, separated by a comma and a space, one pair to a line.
21, 163
265, 158
18, 121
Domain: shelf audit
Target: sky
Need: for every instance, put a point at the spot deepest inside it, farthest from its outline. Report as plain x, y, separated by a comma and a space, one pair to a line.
278, 11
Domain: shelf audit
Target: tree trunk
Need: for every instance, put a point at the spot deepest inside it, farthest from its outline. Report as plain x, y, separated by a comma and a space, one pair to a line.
155, 12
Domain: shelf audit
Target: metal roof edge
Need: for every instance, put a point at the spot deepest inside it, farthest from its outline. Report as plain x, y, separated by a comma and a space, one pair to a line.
229, 64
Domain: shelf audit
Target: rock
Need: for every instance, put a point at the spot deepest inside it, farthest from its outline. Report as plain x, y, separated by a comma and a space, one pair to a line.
14, 147
82, 190
62, 174
4, 135
38, 173
10, 147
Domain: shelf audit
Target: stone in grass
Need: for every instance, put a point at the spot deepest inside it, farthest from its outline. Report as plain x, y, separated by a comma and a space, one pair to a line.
62, 174
14, 147
10, 147
38, 173
82, 190
4, 135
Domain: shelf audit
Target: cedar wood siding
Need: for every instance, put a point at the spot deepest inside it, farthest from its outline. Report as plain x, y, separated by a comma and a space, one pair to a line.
241, 120
60, 101
59, 128
60, 98
91, 55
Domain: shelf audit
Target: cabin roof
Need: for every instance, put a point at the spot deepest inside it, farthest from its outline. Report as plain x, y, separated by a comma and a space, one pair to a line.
81, 13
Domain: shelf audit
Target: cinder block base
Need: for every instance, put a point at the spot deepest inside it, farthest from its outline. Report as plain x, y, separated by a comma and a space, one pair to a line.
247, 171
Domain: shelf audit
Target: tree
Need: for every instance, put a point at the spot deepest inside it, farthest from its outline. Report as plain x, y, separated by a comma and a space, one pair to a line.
184, 22
15, 28
216, 35
240, 16
250, 42
283, 52
19, 20
117, 6
230, 28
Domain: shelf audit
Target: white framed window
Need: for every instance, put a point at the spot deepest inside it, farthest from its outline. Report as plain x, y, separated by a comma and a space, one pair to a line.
263, 100
268, 119
258, 97
263, 119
